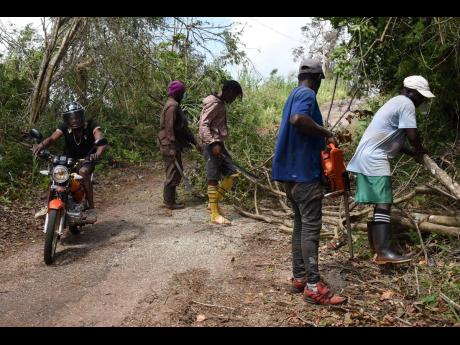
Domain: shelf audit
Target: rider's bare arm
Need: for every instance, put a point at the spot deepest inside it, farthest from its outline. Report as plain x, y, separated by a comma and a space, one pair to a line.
47, 142
100, 149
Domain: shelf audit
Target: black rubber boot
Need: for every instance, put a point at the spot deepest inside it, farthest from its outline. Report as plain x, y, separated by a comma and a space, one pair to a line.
369, 237
381, 237
169, 198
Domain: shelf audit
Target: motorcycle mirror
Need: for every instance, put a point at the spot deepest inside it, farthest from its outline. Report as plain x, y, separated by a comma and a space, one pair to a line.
101, 142
35, 133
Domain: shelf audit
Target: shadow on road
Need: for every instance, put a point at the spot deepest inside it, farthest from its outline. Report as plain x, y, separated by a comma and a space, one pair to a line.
74, 247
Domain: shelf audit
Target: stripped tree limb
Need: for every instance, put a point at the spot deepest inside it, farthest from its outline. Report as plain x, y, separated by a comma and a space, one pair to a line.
414, 222
54, 52
442, 176
271, 190
437, 219
448, 300
441, 191
346, 111
423, 226
332, 101
254, 216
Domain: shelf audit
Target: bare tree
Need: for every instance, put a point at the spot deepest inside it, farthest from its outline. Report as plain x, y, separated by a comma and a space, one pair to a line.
64, 31
320, 40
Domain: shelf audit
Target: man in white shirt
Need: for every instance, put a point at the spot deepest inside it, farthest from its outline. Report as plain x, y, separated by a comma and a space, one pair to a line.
384, 138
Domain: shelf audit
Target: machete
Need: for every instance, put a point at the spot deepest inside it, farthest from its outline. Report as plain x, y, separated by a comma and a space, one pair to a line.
242, 170
188, 186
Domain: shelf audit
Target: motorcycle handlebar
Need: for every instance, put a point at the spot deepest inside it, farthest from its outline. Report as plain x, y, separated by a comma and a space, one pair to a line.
88, 159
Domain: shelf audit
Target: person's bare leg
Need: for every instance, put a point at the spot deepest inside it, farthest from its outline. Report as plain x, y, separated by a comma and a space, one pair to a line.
87, 186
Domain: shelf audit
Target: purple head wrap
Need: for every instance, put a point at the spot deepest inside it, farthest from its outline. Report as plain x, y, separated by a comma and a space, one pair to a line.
175, 86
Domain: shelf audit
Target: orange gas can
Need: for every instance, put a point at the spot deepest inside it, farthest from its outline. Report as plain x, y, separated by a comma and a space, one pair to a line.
334, 168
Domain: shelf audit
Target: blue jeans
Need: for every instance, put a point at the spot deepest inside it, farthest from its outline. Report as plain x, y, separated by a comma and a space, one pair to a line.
306, 200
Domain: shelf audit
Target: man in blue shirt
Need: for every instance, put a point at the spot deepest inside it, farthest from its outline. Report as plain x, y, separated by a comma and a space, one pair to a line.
297, 163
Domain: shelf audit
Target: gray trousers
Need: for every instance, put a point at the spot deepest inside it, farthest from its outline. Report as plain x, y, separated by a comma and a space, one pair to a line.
172, 177
306, 200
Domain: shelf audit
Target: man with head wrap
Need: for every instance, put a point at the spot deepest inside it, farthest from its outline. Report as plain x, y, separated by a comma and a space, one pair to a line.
173, 137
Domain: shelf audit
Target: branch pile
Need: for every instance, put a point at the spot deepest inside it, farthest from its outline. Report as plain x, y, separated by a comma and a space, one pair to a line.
445, 222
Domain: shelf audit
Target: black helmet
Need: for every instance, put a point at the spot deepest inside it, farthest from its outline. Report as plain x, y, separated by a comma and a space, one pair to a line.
73, 108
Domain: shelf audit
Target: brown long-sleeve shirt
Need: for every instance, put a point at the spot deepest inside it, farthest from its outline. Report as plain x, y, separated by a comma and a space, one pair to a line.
213, 120
174, 133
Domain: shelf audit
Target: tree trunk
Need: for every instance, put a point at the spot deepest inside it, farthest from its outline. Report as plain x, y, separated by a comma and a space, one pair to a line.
81, 70
54, 51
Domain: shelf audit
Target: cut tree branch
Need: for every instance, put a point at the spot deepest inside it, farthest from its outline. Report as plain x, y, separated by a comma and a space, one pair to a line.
442, 176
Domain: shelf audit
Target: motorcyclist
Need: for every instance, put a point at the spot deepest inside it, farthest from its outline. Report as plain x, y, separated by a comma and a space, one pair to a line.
80, 136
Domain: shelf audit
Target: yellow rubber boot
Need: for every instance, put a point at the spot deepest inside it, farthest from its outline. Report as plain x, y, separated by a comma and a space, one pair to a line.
225, 185
216, 217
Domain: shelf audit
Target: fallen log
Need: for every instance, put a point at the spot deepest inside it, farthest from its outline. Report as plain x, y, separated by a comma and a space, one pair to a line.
437, 219
424, 226
283, 221
254, 216
354, 216
442, 176
419, 190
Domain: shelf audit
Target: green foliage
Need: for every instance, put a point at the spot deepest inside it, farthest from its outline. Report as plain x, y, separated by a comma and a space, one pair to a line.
253, 125
15, 84
123, 88
430, 299
378, 53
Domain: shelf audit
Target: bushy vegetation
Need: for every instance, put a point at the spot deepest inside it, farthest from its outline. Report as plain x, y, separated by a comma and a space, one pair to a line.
128, 63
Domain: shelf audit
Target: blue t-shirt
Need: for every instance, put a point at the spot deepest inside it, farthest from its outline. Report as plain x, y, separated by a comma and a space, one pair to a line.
297, 156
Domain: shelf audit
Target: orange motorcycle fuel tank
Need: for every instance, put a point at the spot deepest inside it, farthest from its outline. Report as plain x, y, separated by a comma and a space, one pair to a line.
77, 190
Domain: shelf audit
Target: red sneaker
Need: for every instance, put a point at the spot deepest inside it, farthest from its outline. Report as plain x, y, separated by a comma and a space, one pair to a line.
323, 296
298, 285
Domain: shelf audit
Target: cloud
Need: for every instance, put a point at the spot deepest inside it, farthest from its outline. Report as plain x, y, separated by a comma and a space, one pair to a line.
21, 21
269, 41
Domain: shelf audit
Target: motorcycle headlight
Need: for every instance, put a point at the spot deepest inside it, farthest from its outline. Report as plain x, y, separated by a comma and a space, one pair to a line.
60, 174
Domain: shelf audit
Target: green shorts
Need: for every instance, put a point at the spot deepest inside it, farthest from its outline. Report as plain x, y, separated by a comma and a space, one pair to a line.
373, 189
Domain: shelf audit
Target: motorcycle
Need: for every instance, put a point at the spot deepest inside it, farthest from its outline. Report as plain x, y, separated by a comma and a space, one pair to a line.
66, 196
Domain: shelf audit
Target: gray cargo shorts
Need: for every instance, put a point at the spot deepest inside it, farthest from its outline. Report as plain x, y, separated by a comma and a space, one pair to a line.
216, 167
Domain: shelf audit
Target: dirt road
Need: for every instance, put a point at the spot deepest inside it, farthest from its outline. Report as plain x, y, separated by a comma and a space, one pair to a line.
142, 265
137, 253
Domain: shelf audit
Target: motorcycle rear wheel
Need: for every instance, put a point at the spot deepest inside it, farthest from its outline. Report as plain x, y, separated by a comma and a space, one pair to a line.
51, 239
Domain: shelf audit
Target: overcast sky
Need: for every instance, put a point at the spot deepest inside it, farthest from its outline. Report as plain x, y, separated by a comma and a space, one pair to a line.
268, 41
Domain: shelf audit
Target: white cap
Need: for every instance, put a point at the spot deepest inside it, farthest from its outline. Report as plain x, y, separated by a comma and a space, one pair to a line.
417, 82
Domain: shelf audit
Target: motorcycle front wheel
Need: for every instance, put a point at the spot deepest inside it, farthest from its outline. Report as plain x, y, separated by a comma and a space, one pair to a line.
51, 239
